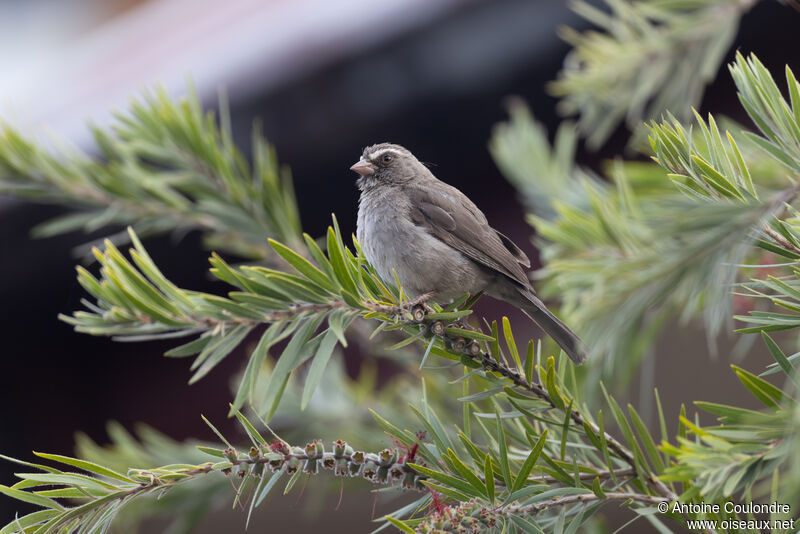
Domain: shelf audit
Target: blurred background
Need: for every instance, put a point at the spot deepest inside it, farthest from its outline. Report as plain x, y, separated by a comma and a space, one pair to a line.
325, 79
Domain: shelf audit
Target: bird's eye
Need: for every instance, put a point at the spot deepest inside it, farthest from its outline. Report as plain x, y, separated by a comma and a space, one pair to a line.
387, 158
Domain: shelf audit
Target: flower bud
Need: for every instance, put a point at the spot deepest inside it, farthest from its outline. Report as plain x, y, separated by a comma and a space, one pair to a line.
388, 456
258, 470
311, 466
396, 472
275, 464
383, 474
292, 465
339, 448
281, 447
370, 469
230, 454
341, 467
328, 460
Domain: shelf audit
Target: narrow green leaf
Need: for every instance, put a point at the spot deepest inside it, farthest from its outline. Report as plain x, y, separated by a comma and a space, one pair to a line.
529, 361
254, 435
338, 321
259, 497
319, 257
794, 94
647, 440
748, 181
448, 480
28, 521
503, 451
219, 453
427, 352
337, 259
292, 481
217, 432
477, 456
302, 265
510, 343
78, 511
597, 489
778, 354
488, 474
469, 334
69, 479
495, 343
226, 345
447, 316
466, 472
550, 384
247, 385
399, 524
32, 498
85, 465
447, 491
763, 390
318, 365
565, 430
530, 462
390, 429
190, 348
291, 357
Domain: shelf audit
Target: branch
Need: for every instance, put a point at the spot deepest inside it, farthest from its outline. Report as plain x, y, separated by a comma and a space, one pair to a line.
105, 492
474, 517
581, 498
488, 363
645, 60
125, 296
164, 166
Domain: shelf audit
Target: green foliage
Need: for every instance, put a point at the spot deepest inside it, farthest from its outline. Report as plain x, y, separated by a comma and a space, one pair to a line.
535, 448
163, 166
650, 250
99, 494
649, 56
135, 302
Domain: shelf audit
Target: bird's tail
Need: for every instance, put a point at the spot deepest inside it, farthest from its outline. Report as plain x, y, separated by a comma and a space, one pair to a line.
552, 325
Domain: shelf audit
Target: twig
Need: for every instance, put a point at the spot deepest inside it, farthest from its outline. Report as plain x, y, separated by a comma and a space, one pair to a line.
782, 241
490, 364
583, 498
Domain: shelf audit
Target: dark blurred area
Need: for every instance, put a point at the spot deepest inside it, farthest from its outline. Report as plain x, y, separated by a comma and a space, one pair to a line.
325, 79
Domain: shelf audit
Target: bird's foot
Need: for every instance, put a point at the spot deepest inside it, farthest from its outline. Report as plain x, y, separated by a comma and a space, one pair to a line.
421, 300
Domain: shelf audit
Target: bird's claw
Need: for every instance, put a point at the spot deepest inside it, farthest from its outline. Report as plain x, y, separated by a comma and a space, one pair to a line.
422, 300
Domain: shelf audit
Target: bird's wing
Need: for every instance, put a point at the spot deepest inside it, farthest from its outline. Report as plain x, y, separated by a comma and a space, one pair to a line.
452, 218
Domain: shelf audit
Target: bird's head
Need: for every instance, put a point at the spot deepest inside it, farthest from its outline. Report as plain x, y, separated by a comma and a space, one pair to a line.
385, 164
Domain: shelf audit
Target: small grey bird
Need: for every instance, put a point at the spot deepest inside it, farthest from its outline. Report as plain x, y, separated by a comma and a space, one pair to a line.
437, 240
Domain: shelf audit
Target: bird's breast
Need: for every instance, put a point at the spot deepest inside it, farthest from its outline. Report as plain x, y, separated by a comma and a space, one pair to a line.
392, 243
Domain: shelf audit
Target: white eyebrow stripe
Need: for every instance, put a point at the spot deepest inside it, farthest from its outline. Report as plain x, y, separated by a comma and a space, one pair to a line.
383, 151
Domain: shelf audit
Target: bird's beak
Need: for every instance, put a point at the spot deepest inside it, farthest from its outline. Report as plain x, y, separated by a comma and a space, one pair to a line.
363, 167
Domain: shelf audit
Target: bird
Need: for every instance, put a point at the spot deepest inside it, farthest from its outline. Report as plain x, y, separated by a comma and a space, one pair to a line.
437, 241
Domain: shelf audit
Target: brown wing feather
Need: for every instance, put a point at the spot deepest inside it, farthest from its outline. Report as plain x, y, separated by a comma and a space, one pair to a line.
520, 256
449, 216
